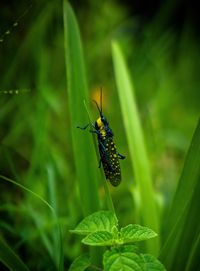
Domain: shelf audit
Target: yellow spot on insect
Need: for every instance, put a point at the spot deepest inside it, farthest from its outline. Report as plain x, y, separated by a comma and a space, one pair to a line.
101, 127
7, 32
113, 149
115, 155
15, 24
99, 122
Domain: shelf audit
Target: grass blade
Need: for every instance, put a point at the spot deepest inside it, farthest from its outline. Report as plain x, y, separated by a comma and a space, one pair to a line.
136, 144
57, 234
10, 259
78, 92
182, 226
84, 153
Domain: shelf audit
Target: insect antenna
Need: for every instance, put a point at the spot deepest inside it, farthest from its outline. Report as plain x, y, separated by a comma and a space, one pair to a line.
101, 100
99, 108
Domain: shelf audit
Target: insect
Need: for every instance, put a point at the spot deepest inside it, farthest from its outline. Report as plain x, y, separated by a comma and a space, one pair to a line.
109, 157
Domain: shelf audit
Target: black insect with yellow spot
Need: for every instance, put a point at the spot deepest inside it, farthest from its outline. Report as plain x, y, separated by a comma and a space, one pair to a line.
109, 157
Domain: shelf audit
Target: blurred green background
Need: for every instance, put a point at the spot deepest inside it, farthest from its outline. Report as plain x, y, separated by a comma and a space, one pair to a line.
160, 41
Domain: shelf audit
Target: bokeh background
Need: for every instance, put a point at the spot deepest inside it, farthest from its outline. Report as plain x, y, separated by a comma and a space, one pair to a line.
160, 40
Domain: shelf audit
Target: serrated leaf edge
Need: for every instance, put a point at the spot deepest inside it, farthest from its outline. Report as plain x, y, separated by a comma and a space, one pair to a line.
109, 242
124, 240
83, 229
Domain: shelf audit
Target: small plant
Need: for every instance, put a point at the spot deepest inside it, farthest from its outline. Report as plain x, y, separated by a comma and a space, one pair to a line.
101, 229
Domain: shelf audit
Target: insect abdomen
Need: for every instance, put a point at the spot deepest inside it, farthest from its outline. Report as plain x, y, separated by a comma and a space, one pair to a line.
110, 161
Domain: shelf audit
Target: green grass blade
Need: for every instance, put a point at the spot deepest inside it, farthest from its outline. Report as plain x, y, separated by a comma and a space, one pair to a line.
193, 261
29, 191
10, 259
183, 225
57, 234
136, 144
84, 154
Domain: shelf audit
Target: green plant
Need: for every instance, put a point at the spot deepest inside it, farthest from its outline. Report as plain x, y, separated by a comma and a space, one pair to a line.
102, 229
43, 154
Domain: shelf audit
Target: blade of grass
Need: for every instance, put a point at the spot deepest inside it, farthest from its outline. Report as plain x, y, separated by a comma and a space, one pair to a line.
84, 154
193, 261
182, 226
29, 191
10, 258
136, 144
43, 236
56, 234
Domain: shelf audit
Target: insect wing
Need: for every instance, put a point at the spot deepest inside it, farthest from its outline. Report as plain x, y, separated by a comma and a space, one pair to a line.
110, 161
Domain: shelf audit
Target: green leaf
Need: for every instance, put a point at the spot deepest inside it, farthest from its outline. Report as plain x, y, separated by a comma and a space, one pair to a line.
136, 143
80, 263
150, 263
99, 238
135, 233
98, 221
10, 259
122, 258
181, 247
126, 258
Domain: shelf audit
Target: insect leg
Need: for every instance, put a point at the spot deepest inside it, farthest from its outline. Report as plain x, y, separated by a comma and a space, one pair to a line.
95, 132
121, 156
83, 128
